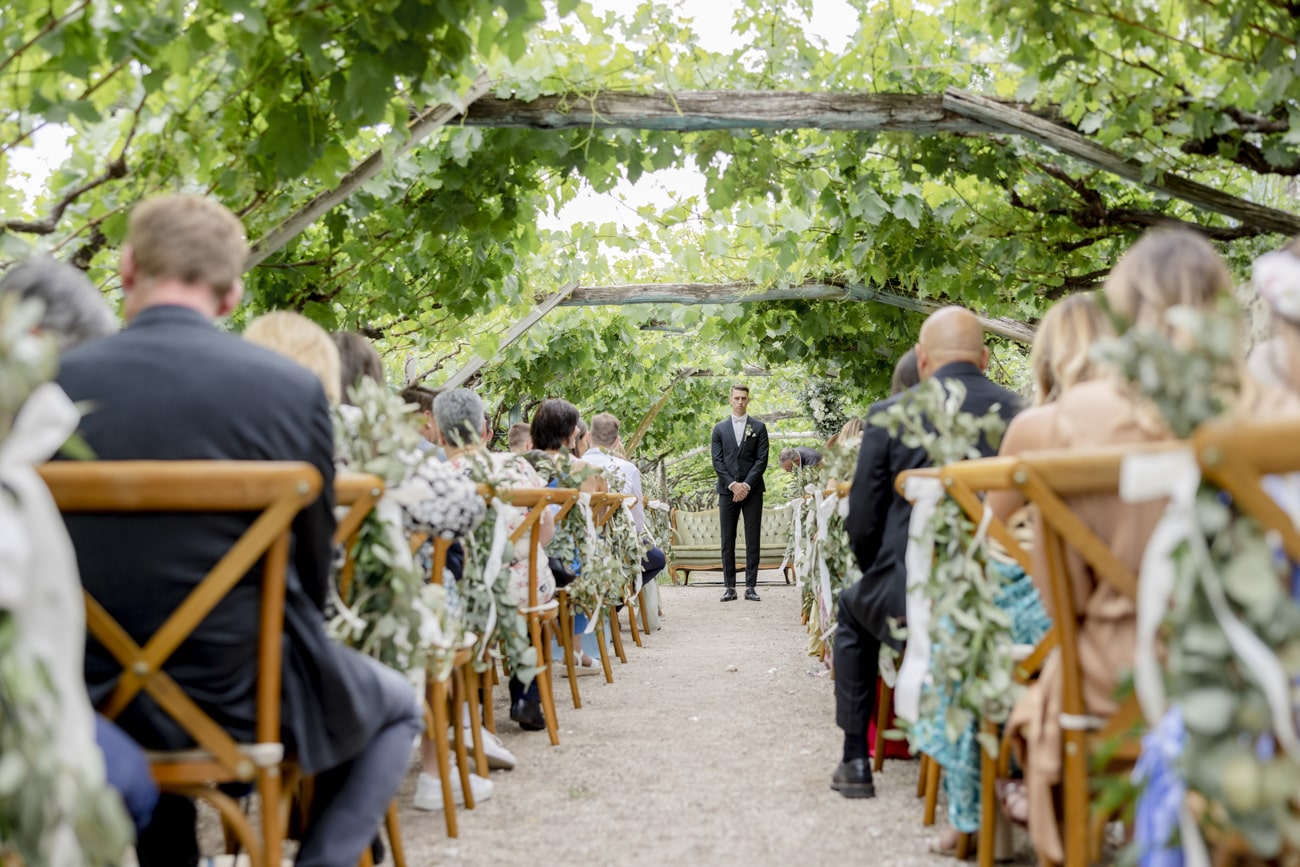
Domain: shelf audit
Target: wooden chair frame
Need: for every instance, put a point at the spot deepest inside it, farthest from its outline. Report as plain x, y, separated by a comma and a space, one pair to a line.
360, 493
276, 492
543, 620
1048, 479
604, 507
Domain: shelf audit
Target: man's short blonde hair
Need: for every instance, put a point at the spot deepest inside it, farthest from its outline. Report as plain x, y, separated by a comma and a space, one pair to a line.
188, 238
298, 338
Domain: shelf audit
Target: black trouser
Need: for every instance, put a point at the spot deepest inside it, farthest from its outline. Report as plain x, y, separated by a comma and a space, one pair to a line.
857, 663
752, 507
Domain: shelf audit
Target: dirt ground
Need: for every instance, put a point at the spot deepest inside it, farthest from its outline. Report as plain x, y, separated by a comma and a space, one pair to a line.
714, 745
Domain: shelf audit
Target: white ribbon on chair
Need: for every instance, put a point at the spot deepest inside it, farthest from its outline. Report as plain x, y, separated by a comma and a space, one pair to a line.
924, 494
492, 569
584, 505
1177, 475
40, 587
823, 508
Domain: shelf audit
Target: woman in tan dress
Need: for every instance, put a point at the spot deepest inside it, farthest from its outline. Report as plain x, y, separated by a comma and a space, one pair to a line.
1163, 270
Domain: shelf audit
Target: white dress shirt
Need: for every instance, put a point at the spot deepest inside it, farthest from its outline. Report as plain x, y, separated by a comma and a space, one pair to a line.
738, 425
631, 480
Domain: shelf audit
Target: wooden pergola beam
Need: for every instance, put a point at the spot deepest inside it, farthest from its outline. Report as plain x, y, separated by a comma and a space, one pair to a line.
744, 293
1011, 119
698, 110
478, 362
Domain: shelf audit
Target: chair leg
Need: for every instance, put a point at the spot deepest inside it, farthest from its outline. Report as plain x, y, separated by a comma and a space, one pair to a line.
645, 617
367, 859
631, 622
987, 842
475, 723
616, 632
394, 829
884, 700
488, 680
458, 735
1074, 796
272, 826
963, 845
437, 699
544, 679
604, 653
931, 792
920, 778
570, 652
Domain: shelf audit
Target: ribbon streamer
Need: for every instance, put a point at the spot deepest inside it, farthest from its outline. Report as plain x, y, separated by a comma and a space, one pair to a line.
924, 494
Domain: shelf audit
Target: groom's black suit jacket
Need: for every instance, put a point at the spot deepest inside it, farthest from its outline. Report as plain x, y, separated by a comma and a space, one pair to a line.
744, 463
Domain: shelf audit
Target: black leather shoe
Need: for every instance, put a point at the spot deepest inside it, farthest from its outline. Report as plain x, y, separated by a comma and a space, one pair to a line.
729, 595
751, 595
529, 715
853, 779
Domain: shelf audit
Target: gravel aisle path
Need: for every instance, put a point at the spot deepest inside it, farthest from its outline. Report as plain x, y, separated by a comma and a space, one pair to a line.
683, 761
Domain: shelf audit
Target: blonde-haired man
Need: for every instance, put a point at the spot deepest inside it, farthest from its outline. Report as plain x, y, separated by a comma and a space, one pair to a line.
173, 387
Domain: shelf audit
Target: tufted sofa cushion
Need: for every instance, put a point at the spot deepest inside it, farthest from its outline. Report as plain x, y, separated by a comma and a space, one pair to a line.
697, 539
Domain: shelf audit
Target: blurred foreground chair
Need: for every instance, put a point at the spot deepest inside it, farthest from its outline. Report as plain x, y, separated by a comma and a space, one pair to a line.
275, 493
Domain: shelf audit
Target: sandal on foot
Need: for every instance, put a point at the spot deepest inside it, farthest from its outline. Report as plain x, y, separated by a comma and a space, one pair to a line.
944, 843
1014, 800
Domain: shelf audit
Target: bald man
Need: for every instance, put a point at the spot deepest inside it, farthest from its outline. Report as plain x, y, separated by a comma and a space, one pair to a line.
951, 348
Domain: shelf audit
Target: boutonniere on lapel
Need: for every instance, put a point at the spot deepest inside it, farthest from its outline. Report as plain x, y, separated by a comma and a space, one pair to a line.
749, 431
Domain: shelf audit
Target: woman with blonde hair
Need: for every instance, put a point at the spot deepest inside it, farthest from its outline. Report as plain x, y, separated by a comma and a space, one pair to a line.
1275, 277
299, 339
1166, 268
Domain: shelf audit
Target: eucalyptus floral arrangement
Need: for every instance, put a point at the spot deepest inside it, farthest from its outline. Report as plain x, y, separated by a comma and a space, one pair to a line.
51, 810
600, 578
821, 597
1220, 734
971, 639
392, 611
825, 405
487, 604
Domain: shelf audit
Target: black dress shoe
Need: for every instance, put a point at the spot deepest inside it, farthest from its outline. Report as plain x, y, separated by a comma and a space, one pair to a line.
729, 595
751, 595
853, 779
528, 714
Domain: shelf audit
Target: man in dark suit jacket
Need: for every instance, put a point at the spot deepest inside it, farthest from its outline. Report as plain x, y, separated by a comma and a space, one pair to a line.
740, 459
951, 348
173, 387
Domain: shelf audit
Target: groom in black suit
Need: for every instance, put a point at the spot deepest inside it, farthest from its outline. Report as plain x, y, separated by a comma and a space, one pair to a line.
740, 459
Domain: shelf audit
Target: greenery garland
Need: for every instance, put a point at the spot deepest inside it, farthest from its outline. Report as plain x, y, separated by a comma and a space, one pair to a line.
971, 641
42, 795
393, 612
1229, 755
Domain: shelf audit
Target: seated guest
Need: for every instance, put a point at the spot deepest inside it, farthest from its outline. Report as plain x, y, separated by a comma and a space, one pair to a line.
794, 458
174, 387
951, 348
605, 441
1164, 269
357, 358
302, 341
74, 311
1276, 279
905, 373
1060, 359
554, 431
421, 397
582, 441
520, 438
462, 428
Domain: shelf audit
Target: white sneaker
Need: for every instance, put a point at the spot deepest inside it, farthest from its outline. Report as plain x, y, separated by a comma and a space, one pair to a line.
428, 790
498, 757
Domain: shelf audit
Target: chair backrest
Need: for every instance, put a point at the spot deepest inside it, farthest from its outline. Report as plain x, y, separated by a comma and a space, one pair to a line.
605, 506
536, 501
1237, 456
777, 524
692, 529
275, 493
359, 492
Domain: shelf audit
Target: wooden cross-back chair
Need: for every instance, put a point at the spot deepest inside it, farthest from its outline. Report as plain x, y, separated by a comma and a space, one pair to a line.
964, 482
1049, 480
275, 493
444, 698
603, 508
359, 493
542, 618
565, 609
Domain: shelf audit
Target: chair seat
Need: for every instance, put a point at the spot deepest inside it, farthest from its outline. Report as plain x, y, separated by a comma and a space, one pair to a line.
198, 766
